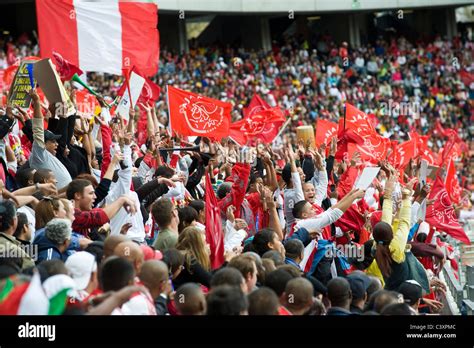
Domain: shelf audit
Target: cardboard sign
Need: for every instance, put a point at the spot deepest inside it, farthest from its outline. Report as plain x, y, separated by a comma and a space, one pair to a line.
366, 178
136, 85
422, 210
21, 85
432, 172
423, 172
49, 81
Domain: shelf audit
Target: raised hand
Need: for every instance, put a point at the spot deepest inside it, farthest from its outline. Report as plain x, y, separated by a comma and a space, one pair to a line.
318, 160
48, 189
357, 193
291, 153
118, 156
145, 107
127, 138
230, 213
34, 95
407, 191
240, 224
355, 158
129, 205
390, 185
167, 182
124, 229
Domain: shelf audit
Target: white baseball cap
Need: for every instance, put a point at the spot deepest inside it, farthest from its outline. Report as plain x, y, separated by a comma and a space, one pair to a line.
80, 266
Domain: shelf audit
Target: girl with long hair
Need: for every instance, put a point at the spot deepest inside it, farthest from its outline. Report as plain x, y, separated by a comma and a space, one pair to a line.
197, 263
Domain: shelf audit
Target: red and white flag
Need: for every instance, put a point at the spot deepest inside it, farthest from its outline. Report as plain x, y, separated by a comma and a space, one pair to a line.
402, 153
262, 125
194, 114
325, 131
373, 147
256, 105
149, 93
103, 36
441, 213
452, 183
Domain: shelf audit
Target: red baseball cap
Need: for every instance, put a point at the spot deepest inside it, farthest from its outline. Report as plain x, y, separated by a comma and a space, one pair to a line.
151, 254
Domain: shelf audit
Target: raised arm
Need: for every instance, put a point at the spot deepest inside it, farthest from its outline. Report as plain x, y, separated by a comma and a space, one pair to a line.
400, 236
295, 176
320, 179
112, 209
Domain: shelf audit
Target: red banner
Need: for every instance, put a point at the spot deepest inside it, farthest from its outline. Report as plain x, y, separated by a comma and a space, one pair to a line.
325, 131
452, 184
264, 125
65, 69
441, 213
214, 231
374, 147
402, 153
193, 114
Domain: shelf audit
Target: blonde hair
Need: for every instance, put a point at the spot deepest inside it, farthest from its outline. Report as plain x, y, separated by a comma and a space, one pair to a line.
67, 205
190, 242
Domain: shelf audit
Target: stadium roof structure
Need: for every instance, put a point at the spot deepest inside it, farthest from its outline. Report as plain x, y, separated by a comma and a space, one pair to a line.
301, 6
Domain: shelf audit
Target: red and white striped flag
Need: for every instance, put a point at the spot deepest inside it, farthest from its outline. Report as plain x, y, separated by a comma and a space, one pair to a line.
103, 36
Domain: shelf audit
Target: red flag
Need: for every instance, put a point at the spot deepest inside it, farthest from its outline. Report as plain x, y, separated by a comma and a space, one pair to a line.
402, 153
325, 131
193, 114
85, 102
150, 92
126, 74
441, 213
263, 125
103, 36
452, 183
214, 232
142, 125
374, 147
256, 105
429, 156
358, 121
65, 69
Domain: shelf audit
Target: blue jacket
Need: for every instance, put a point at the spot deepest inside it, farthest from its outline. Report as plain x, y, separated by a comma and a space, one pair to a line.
47, 250
303, 235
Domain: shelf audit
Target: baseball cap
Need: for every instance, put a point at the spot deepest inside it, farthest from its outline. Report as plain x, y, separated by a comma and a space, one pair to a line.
48, 135
151, 254
411, 291
359, 283
80, 266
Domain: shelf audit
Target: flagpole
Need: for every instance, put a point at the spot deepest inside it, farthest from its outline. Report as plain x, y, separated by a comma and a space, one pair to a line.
287, 122
344, 116
236, 143
127, 80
